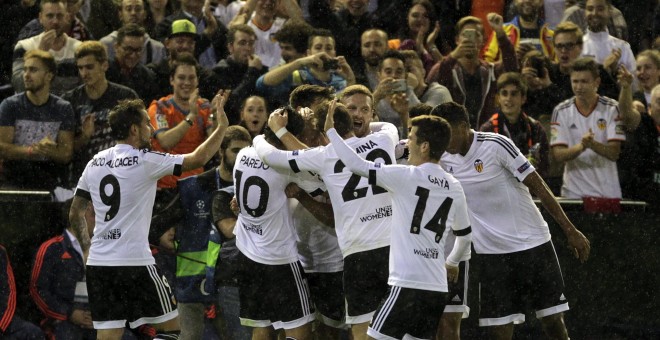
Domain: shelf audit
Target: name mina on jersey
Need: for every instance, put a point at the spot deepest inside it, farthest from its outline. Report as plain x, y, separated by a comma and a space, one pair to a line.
121, 183
590, 174
503, 215
264, 230
362, 212
426, 201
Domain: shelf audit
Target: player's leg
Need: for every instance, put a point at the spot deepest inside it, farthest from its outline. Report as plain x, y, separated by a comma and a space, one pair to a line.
456, 309
109, 334
500, 303
253, 280
107, 289
365, 286
328, 296
548, 290
291, 308
554, 327
263, 333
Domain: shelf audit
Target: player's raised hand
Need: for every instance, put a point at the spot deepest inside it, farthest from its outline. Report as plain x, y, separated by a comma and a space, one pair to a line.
278, 120
330, 117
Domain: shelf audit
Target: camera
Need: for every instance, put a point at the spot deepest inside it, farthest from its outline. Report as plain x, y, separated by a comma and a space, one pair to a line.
399, 85
330, 64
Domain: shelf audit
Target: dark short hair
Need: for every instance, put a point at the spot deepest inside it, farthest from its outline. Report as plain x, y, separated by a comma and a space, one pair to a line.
319, 32
127, 113
231, 33
184, 59
419, 110
430, 9
294, 125
512, 78
391, 54
296, 33
129, 30
305, 95
45, 57
452, 112
235, 133
44, 2
586, 64
434, 130
93, 48
343, 120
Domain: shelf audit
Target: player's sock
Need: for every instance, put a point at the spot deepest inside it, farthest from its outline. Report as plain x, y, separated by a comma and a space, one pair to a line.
171, 335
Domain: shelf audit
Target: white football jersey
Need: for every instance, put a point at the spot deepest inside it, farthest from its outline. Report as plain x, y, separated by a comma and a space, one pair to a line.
266, 47
590, 174
503, 215
362, 211
264, 230
318, 247
121, 183
425, 202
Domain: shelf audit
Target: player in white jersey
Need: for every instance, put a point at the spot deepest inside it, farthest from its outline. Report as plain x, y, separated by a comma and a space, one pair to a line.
425, 200
362, 212
266, 239
123, 282
587, 131
509, 235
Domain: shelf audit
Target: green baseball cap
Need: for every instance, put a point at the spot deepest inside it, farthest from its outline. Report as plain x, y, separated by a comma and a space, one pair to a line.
183, 26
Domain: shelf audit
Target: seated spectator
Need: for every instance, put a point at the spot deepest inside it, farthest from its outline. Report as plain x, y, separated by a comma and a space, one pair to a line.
432, 94
91, 104
211, 45
525, 132
320, 67
182, 39
527, 31
181, 119
133, 12
71, 25
54, 41
254, 115
551, 84
373, 45
240, 70
606, 49
586, 134
126, 68
419, 33
471, 80
11, 325
648, 75
262, 17
36, 129
616, 23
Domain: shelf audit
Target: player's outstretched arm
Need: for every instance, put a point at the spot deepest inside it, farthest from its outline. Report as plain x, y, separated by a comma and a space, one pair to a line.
351, 159
79, 224
277, 123
578, 243
206, 150
269, 154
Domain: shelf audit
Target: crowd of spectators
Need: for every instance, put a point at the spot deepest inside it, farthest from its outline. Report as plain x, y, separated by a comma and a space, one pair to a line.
574, 84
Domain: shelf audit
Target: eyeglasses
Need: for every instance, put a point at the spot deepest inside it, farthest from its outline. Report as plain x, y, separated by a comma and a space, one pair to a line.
566, 46
131, 50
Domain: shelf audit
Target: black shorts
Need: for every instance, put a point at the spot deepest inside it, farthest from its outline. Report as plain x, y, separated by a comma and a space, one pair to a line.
408, 311
328, 296
512, 284
276, 295
137, 294
365, 283
457, 298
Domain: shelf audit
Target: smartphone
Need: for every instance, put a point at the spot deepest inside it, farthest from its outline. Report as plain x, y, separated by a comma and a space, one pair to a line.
538, 63
470, 34
330, 64
399, 85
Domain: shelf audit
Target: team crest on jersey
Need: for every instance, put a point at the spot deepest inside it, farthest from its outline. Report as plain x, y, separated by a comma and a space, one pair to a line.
479, 165
619, 129
601, 123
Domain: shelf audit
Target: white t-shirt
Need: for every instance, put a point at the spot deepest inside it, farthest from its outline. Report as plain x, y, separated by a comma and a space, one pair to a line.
318, 247
590, 174
266, 47
362, 211
264, 230
503, 215
601, 44
121, 183
65, 53
425, 202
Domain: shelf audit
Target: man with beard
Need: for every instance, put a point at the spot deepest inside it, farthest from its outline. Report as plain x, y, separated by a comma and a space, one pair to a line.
373, 45
526, 31
120, 182
181, 119
599, 44
52, 40
36, 129
92, 103
240, 70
